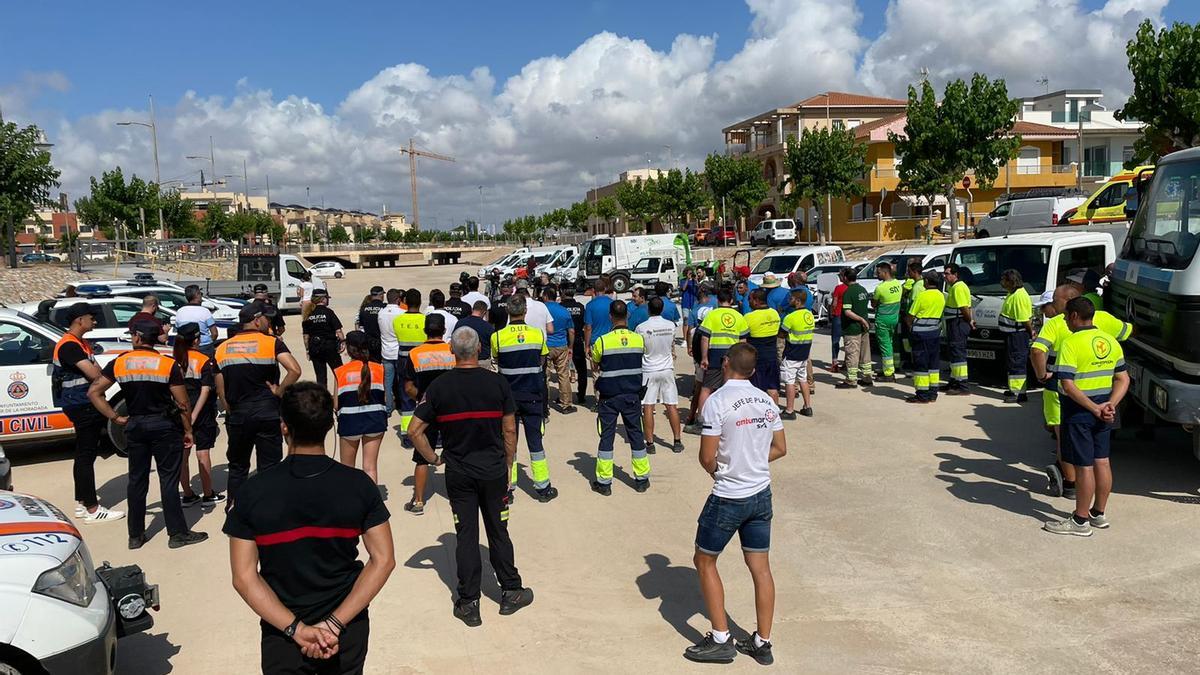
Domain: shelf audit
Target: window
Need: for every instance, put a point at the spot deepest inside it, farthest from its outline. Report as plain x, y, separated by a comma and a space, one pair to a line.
21, 347
123, 313
1001, 210
1113, 195
982, 266
295, 269
1087, 257
646, 266
853, 123
1166, 231
807, 263
668, 265
776, 264
839, 125
1127, 153
1029, 160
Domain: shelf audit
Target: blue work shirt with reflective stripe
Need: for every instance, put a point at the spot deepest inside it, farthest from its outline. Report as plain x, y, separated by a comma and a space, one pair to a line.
518, 350
619, 353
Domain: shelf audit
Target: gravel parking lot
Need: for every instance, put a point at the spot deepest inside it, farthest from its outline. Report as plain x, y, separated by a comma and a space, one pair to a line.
906, 538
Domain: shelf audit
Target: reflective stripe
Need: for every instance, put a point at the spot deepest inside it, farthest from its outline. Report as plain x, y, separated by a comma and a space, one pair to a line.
1043, 341
519, 371
520, 346
1126, 329
724, 336
1082, 374
1099, 391
926, 325
371, 407
1065, 369
353, 388
142, 377
620, 373
77, 382
241, 360
622, 350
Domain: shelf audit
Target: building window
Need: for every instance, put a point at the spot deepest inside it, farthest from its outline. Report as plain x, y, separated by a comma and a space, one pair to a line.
850, 124
1127, 153
839, 124
1029, 160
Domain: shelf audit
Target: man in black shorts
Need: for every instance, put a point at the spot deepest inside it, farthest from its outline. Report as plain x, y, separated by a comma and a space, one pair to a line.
476, 413
293, 546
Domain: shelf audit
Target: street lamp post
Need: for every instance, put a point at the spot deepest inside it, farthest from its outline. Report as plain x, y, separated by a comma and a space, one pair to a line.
480, 223
153, 126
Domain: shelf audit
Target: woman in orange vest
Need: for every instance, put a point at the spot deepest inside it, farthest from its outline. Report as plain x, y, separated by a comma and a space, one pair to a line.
361, 412
199, 380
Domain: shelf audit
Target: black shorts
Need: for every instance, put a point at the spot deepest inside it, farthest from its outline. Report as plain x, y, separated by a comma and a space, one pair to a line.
435, 440
204, 436
766, 374
1085, 441
280, 654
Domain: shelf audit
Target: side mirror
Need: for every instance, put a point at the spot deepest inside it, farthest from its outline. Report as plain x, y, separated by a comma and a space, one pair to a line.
1131, 203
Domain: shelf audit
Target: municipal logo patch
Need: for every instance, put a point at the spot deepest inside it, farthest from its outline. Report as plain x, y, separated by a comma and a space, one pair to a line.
727, 319
1101, 347
624, 342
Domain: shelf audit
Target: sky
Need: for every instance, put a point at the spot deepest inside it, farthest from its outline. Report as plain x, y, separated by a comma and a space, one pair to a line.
536, 101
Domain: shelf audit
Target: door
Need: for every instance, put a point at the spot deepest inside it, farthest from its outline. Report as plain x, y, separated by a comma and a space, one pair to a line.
806, 263
289, 291
997, 221
1108, 205
26, 404
667, 273
1029, 213
1081, 257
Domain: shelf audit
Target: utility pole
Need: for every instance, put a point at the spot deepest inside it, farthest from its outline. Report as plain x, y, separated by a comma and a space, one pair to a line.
413, 153
153, 126
480, 223
246, 186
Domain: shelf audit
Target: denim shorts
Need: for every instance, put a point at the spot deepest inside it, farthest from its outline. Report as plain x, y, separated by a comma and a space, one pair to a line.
750, 518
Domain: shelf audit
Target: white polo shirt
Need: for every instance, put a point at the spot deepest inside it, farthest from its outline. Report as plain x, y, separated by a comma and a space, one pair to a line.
474, 297
389, 347
659, 336
745, 419
537, 314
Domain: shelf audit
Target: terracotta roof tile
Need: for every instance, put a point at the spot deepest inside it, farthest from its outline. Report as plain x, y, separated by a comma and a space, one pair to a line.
840, 98
1033, 129
864, 130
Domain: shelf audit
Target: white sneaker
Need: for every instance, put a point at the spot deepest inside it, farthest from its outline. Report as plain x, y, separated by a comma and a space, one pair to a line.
80, 510
1099, 522
1068, 526
102, 514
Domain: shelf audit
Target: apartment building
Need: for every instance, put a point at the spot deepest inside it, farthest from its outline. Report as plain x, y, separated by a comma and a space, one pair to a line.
1102, 141
620, 224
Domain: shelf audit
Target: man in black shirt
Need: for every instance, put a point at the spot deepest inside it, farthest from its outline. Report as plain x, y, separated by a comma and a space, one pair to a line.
159, 426
323, 339
476, 415
477, 322
262, 296
368, 321
293, 547
455, 305
578, 351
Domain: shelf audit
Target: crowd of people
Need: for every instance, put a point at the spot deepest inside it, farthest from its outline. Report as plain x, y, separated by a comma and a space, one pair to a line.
470, 371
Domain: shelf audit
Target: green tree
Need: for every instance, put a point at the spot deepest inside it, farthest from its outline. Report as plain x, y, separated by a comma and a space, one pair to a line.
823, 163
67, 242
694, 198
215, 223
115, 202
738, 179
338, 235
607, 209
1166, 89
578, 214
639, 202
969, 130
26, 179
179, 216
392, 235
278, 234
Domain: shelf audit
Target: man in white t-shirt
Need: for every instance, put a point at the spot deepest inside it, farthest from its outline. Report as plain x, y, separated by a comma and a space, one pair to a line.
196, 313
389, 348
536, 312
742, 433
473, 295
658, 372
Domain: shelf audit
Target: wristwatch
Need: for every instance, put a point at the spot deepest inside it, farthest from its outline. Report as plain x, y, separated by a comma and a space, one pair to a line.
290, 631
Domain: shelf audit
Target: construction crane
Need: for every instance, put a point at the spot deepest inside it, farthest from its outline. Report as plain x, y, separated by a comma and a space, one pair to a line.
413, 153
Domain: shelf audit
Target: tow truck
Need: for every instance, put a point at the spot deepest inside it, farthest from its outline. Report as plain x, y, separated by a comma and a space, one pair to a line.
1155, 285
61, 614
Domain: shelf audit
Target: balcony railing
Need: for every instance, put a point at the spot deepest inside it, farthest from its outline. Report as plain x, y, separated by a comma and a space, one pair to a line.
886, 172
1068, 117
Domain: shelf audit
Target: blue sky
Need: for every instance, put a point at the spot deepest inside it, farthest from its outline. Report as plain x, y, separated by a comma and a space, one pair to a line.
639, 76
114, 53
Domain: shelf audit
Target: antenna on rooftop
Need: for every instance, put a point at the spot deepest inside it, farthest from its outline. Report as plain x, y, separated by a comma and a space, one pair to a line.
1045, 82
924, 73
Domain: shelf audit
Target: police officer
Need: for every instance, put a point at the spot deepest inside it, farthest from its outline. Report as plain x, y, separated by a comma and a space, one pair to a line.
578, 351
323, 339
886, 301
1016, 323
368, 322
455, 305
426, 362
1092, 378
159, 426
75, 369
960, 321
262, 296
248, 386
409, 328
924, 320
520, 352
617, 356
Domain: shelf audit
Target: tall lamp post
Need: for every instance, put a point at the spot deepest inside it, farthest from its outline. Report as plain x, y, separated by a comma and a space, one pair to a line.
480, 223
162, 227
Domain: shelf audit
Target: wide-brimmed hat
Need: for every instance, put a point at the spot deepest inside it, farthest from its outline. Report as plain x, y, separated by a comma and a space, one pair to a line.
769, 280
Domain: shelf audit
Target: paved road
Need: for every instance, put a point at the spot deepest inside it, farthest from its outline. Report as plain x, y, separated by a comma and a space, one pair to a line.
905, 539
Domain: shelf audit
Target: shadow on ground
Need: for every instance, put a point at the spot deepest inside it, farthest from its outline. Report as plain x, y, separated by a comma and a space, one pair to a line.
440, 557
677, 588
146, 654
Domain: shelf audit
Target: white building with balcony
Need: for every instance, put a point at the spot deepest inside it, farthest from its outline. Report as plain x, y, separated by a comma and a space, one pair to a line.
1103, 142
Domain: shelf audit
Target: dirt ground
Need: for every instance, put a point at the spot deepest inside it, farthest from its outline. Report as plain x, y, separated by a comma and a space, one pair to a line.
905, 539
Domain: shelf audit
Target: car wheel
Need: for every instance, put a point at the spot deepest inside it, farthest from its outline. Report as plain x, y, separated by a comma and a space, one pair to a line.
620, 283
337, 275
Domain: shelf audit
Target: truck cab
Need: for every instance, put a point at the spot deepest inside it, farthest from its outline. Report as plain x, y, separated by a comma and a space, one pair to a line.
1155, 285
616, 256
1044, 261
651, 270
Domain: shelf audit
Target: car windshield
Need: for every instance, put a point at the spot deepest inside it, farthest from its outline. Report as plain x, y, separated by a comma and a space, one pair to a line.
983, 265
1166, 230
898, 261
646, 266
599, 248
776, 264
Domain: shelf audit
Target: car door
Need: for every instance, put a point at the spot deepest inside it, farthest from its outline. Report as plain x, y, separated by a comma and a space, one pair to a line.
996, 222
1106, 206
26, 403
290, 292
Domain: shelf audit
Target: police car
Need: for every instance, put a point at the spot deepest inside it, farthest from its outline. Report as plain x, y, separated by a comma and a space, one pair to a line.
113, 314
60, 613
27, 410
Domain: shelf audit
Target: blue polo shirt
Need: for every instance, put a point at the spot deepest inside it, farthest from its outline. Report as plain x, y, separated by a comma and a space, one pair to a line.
711, 302
562, 323
777, 299
638, 314
670, 311
595, 314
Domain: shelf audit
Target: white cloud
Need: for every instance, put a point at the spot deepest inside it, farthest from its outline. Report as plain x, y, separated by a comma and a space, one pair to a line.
1020, 40
547, 133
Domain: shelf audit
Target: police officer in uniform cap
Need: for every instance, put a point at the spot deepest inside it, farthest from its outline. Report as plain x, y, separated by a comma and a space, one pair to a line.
455, 305
159, 426
368, 322
323, 339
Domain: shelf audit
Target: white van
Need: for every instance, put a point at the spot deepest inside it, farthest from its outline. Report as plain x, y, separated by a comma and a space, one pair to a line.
774, 232
784, 261
1018, 213
1044, 261
502, 261
564, 258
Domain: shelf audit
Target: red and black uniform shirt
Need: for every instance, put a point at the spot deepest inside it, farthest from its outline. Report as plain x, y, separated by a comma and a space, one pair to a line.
467, 405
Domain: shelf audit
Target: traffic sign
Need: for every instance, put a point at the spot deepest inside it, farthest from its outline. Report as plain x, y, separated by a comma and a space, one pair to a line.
966, 182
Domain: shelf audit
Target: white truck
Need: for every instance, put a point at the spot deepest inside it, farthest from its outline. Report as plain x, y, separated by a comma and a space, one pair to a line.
61, 614
1155, 285
1044, 260
618, 255
281, 272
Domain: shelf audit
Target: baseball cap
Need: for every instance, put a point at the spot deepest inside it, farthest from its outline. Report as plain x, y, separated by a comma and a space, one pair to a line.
1045, 299
260, 288
320, 293
79, 309
250, 311
375, 290
456, 287
188, 331
149, 330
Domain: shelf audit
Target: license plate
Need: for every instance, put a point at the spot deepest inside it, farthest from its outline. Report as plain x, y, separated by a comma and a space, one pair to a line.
981, 354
